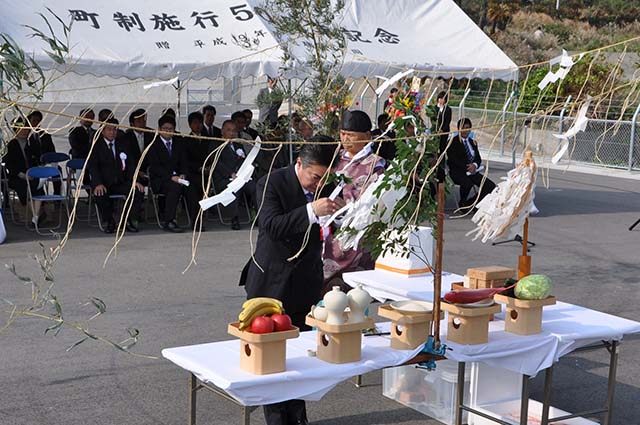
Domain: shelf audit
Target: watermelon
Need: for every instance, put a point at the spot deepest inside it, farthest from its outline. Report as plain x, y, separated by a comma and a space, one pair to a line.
533, 287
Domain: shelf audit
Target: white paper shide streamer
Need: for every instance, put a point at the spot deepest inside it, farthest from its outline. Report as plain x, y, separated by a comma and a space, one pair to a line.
243, 175
579, 124
504, 210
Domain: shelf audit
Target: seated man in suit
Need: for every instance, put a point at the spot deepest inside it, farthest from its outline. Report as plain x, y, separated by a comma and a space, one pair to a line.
138, 140
248, 117
463, 158
208, 129
197, 152
288, 212
167, 166
41, 140
21, 156
112, 172
81, 137
229, 162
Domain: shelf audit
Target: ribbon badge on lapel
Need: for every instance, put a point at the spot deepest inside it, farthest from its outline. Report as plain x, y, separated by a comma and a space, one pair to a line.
123, 158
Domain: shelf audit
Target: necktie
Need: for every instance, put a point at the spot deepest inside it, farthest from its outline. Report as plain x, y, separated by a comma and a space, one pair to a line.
466, 148
168, 145
113, 151
309, 196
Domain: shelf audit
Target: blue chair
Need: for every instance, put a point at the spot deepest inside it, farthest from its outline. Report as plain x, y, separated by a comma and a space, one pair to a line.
53, 157
74, 166
48, 173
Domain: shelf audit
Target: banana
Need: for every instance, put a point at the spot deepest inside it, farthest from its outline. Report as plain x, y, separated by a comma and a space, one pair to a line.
259, 300
258, 303
264, 310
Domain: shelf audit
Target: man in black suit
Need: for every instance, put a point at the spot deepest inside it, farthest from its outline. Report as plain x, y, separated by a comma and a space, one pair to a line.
288, 211
20, 156
41, 141
197, 152
209, 116
81, 137
138, 140
167, 166
443, 127
229, 161
248, 116
463, 158
112, 172
269, 101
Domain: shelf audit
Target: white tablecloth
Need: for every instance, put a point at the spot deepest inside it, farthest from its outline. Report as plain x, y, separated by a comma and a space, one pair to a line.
307, 378
565, 327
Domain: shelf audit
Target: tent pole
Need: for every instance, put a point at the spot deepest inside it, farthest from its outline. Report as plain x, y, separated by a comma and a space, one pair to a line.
377, 99
515, 123
290, 127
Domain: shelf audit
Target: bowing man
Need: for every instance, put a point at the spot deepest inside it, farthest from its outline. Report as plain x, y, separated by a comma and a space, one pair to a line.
288, 211
112, 173
463, 158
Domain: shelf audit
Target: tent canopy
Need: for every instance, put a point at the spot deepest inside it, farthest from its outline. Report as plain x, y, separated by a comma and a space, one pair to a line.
219, 38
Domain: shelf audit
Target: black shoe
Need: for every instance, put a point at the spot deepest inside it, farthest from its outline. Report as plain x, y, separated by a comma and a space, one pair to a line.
235, 223
171, 226
131, 227
109, 227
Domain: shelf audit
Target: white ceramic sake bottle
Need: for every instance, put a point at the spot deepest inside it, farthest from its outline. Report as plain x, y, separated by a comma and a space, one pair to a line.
335, 301
359, 300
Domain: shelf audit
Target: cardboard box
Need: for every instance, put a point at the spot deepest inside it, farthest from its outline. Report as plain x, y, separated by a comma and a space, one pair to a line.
410, 260
408, 330
339, 343
523, 317
467, 325
489, 276
262, 354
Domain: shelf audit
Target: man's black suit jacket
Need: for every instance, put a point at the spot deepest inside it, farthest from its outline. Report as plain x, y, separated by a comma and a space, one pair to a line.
43, 140
457, 158
106, 169
80, 140
131, 141
283, 222
228, 161
16, 162
162, 165
197, 152
215, 131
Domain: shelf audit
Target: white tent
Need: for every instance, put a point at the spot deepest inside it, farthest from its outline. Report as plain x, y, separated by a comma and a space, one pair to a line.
218, 38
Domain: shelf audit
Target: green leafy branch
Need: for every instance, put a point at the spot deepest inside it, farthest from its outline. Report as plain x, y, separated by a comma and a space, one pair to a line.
46, 305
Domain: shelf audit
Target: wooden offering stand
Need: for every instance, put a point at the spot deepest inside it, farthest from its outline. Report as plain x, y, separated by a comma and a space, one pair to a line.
408, 330
489, 276
523, 317
261, 354
469, 325
339, 343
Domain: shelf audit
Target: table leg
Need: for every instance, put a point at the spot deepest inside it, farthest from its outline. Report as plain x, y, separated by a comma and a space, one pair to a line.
524, 402
358, 381
612, 347
546, 400
460, 393
193, 389
246, 415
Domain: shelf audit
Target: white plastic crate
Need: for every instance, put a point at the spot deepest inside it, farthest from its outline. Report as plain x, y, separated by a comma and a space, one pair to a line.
432, 393
509, 411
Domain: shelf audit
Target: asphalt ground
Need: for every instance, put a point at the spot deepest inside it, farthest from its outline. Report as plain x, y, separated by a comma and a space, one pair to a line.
582, 243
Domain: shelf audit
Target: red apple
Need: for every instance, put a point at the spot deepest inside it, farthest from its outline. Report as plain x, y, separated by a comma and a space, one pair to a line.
281, 322
262, 325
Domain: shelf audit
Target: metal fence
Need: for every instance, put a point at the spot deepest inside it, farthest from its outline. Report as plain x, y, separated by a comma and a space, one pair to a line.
606, 143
